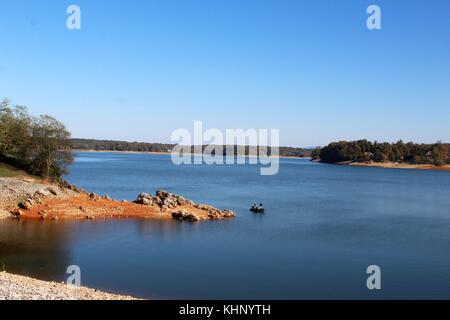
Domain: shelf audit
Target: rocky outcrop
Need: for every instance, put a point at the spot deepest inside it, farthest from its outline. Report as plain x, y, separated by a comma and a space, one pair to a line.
164, 200
167, 201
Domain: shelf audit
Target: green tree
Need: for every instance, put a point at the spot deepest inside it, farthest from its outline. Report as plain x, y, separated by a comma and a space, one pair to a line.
440, 154
15, 133
315, 153
51, 147
39, 145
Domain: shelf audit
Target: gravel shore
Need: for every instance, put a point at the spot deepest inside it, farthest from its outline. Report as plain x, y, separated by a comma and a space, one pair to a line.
13, 190
14, 287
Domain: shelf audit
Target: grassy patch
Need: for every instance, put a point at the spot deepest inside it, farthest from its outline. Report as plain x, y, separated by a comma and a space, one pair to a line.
7, 171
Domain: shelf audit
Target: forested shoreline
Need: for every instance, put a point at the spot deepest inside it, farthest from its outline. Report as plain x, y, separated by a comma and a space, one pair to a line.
437, 154
124, 146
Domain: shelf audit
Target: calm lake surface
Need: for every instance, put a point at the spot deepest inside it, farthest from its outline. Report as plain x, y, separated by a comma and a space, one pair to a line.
324, 226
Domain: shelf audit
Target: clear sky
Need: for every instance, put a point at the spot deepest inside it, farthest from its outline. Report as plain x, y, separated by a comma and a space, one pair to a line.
137, 70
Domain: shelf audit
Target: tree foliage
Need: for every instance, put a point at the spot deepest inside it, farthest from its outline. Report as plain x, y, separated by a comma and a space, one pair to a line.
38, 145
363, 150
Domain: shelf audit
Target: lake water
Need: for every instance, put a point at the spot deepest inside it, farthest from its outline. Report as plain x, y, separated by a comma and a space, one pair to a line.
323, 227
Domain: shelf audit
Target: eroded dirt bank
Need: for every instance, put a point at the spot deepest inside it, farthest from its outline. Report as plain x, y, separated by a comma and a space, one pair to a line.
31, 199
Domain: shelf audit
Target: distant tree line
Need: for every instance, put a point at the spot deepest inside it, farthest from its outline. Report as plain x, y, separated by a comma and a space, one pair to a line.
38, 145
110, 145
362, 150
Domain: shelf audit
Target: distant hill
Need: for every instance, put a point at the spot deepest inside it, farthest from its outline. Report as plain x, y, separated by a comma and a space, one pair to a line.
111, 145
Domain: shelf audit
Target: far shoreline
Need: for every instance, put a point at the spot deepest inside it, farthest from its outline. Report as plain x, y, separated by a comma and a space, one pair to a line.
115, 151
168, 153
382, 165
391, 165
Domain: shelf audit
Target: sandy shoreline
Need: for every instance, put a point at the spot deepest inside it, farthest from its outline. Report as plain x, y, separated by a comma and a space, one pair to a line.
15, 287
393, 165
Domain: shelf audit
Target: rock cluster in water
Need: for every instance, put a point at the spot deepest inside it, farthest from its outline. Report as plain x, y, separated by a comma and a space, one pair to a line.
164, 200
168, 201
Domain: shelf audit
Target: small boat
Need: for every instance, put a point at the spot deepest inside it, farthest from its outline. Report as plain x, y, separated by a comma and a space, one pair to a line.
257, 209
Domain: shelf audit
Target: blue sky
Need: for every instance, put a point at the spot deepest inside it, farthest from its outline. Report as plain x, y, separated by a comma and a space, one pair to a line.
137, 70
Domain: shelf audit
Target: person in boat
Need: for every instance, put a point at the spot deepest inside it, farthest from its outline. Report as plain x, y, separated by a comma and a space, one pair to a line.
256, 208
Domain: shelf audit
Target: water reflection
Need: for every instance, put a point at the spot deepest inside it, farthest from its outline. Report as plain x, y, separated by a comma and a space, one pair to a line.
163, 229
35, 248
